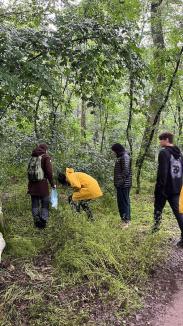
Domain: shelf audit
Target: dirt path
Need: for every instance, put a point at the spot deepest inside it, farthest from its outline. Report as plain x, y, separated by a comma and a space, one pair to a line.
173, 314
163, 304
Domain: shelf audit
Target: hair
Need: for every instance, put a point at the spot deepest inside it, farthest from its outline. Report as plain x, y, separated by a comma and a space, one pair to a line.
62, 179
118, 148
43, 147
166, 135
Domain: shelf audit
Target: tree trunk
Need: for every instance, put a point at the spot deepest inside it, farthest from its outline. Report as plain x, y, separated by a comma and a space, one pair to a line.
104, 130
83, 122
53, 122
128, 129
36, 117
156, 119
96, 135
157, 93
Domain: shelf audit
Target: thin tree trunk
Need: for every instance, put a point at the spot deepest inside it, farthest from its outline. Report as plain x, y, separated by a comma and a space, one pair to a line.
128, 130
53, 118
96, 128
144, 19
36, 117
156, 118
104, 130
83, 120
158, 89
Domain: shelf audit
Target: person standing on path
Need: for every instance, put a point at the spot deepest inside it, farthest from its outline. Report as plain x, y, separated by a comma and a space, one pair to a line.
39, 174
123, 182
169, 181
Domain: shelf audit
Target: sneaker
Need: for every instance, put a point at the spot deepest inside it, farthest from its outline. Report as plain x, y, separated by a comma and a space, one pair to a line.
124, 225
180, 243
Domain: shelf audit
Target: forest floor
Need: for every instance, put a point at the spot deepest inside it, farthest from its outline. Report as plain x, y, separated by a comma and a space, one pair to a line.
77, 273
163, 297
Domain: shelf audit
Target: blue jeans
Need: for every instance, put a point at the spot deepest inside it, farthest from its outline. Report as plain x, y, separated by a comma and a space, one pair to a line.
123, 200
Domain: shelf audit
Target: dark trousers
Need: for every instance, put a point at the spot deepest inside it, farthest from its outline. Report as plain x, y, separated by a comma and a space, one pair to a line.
159, 204
82, 204
40, 207
123, 200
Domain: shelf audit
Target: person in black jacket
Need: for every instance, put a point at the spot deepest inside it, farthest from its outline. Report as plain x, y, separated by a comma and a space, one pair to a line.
123, 182
169, 181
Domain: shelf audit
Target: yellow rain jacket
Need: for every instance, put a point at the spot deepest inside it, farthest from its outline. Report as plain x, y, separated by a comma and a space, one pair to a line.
181, 202
84, 185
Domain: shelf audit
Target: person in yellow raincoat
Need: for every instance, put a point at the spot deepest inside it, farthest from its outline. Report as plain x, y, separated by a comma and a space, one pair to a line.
85, 188
181, 201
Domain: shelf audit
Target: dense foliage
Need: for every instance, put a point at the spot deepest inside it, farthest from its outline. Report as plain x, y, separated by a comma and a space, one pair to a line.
82, 76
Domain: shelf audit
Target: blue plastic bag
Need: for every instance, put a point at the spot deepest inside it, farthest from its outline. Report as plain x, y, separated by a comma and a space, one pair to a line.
54, 198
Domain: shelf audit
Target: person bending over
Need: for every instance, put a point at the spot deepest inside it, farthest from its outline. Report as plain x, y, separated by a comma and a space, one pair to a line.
85, 189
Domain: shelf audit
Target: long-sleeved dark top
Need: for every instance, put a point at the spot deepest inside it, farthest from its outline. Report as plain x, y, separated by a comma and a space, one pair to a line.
122, 171
166, 184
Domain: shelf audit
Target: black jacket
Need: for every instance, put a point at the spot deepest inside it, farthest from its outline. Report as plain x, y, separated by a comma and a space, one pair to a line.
122, 171
167, 185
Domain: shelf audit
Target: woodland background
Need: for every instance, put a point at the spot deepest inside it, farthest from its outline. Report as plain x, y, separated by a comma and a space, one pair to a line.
81, 76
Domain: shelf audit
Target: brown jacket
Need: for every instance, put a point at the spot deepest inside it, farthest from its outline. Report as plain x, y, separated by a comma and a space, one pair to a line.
41, 188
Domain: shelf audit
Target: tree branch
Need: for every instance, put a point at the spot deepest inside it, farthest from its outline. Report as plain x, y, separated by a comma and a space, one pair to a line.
37, 56
163, 105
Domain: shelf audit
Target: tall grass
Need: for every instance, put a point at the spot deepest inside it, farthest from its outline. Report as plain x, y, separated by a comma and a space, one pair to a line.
100, 254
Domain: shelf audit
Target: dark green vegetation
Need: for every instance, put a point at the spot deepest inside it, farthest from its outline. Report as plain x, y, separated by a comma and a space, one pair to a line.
81, 77
76, 272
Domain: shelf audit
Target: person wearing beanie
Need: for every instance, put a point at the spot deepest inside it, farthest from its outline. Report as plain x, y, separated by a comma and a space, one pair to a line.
39, 175
122, 182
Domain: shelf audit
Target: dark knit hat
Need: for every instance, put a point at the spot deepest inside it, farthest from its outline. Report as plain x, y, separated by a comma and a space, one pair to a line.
118, 148
43, 147
40, 150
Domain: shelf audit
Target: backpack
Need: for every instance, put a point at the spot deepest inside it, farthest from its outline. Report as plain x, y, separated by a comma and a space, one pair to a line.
175, 167
35, 171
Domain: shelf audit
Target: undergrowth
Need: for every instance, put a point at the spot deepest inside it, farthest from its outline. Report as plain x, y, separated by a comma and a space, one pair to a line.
61, 275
